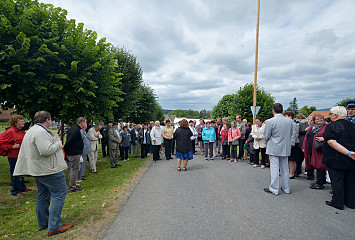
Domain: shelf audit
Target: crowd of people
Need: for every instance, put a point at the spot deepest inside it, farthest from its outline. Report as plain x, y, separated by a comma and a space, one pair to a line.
281, 143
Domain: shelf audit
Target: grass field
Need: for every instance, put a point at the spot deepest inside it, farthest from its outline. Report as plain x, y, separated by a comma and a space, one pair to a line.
17, 215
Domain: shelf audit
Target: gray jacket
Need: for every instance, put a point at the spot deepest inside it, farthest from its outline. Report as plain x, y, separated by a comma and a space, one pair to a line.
278, 133
113, 138
241, 127
87, 143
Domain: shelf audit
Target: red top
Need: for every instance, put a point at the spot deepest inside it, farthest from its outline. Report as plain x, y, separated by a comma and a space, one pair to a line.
314, 160
224, 135
7, 141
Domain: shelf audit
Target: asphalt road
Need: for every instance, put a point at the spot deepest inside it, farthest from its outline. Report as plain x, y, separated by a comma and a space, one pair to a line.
221, 200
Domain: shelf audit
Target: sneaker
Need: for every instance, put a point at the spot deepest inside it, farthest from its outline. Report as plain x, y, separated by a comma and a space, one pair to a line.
231, 160
206, 159
76, 190
256, 165
235, 160
262, 166
124, 160
211, 158
78, 180
127, 159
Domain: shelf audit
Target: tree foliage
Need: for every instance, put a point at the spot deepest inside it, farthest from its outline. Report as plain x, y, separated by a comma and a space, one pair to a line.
343, 102
51, 63
307, 110
293, 106
147, 108
239, 103
224, 107
131, 79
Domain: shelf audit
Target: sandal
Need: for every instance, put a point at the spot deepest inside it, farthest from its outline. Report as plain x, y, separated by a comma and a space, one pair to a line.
184, 169
179, 169
316, 186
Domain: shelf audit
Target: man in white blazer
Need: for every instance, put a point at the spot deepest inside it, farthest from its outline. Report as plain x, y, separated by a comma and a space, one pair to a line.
278, 132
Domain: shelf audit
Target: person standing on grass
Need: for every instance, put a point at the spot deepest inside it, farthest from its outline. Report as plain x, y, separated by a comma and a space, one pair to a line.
10, 142
94, 135
144, 140
114, 140
182, 136
126, 138
277, 134
74, 149
135, 141
86, 152
41, 156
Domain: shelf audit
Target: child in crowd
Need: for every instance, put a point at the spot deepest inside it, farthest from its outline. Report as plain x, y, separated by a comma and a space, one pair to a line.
233, 139
224, 142
251, 149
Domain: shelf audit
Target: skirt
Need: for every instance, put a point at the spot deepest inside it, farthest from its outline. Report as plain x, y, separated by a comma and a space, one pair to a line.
184, 156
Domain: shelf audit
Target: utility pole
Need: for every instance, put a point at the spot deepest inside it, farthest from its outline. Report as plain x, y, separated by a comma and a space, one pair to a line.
254, 108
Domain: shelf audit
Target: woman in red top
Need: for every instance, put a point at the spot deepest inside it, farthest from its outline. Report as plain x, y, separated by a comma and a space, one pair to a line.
10, 141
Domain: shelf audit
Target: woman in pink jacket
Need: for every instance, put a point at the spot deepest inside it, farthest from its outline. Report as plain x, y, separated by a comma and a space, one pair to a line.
233, 140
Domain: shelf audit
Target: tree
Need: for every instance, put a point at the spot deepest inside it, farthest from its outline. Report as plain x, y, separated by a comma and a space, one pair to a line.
243, 99
343, 102
192, 114
51, 63
307, 110
147, 108
223, 107
131, 78
293, 106
178, 113
205, 114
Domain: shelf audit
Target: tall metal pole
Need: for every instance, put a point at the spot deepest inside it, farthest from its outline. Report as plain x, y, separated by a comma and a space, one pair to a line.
256, 55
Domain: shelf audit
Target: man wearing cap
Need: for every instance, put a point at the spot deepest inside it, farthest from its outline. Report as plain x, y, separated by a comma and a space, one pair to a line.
351, 111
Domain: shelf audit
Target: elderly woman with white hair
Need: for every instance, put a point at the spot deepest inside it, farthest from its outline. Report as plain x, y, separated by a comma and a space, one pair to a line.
339, 157
156, 137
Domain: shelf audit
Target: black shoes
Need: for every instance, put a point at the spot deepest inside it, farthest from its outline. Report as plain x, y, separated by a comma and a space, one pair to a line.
268, 191
118, 165
329, 203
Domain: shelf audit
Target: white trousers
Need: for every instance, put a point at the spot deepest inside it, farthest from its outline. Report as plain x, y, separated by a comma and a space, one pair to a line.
276, 164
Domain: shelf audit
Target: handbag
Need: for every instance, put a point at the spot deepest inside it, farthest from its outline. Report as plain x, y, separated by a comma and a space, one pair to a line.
318, 145
236, 142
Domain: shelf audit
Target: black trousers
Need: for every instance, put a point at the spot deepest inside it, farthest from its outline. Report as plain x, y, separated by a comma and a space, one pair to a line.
173, 147
156, 150
144, 150
299, 159
226, 151
168, 148
241, 147
343, 187
193, 144
321, 177
104, 146
263, 156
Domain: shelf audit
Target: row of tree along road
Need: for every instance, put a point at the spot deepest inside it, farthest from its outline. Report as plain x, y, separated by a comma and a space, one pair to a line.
49, 62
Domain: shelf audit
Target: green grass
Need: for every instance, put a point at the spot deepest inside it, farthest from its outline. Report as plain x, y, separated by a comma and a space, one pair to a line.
17, 215
3, 125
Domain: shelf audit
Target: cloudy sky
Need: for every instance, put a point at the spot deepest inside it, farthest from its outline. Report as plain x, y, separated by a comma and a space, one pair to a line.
195, 51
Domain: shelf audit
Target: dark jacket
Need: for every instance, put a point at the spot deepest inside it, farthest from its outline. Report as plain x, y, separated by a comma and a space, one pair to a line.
344, 133
74, 144
134, 137
126, 138
104, 133
302, 133
183, 140
147, 135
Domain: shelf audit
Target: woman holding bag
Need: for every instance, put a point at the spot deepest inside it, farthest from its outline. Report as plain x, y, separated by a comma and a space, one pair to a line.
10, 141
313, 157
233, 140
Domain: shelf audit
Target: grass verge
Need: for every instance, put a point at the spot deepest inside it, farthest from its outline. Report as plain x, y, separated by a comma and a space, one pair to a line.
88, 210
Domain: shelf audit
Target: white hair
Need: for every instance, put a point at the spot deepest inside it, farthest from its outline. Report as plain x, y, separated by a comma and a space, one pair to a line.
157, 122
340, 111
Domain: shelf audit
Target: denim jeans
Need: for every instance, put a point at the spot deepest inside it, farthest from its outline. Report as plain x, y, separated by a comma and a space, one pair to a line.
52, 190
17, 183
